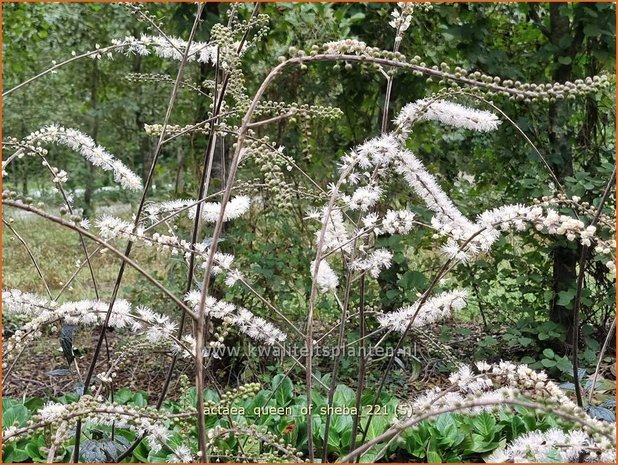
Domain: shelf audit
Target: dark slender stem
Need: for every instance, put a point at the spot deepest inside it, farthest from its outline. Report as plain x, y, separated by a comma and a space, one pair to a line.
203, 190
363, 364
138, 215
578, 296
32, 257
140, 208
335, 370
106, 245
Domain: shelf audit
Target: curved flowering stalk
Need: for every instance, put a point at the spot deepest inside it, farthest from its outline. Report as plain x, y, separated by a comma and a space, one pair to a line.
86, 147
59, 177
89, 235
40, 312
363, 55
162, 46
284, 450
87, 409
494, 386
476, 237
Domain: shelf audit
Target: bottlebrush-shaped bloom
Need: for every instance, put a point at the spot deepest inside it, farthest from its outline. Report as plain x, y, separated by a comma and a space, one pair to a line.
449, 113
433, 309
91, 151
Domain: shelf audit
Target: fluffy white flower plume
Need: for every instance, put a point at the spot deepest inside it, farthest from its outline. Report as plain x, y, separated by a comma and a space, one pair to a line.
378, 260
379, 151
428, 189
398, 221
326, 279
554, 445
167, 49
235, 208
449, 113
364, 198
253, 326
111, 227
52, 411
159, 210
434, 309
40, 312
335, 233
17, 302
90, 150
182, 453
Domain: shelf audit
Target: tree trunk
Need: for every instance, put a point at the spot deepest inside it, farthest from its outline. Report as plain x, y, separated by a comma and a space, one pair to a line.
565, 254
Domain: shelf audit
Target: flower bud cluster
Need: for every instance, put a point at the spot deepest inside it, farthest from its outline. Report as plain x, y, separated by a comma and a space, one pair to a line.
353, 47
63, 417
272, 163
157, 78
492, 387
278, 445
304, 110
462, 79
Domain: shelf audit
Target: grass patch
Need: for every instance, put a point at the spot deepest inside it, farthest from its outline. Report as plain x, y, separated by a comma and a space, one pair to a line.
58, 252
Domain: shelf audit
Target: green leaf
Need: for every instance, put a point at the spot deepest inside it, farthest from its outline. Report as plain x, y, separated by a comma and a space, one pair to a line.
547, 363
341, 423
283, 388
485, 424
344, 396
524, 341
334, 442
433, 457
369, 457
122, 396
549, 353
566, 297
480, 445
34, 452
16, 415
376, 427
15, 456
140, 400
564, 364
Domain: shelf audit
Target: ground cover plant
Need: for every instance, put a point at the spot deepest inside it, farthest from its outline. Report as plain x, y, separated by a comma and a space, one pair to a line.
308, 232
